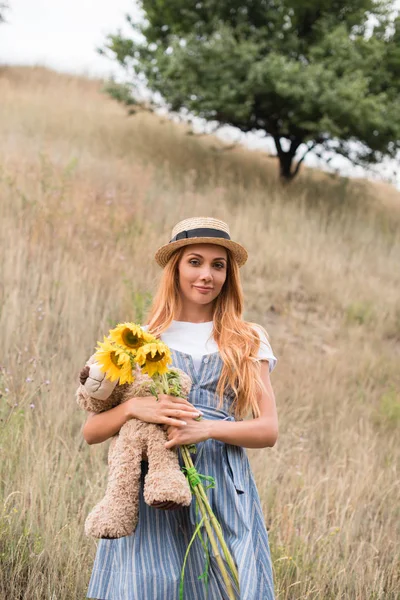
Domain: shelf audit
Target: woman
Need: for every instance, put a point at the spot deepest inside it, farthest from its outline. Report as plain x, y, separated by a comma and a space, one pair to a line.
197, 312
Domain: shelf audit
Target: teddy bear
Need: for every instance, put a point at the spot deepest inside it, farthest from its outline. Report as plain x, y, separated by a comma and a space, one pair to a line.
165, 484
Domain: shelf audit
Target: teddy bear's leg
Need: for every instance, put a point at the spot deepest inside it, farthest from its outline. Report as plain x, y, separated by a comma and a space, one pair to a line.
116, 515
164, 480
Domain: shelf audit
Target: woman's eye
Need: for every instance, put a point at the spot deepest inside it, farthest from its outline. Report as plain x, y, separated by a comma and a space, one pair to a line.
221, 265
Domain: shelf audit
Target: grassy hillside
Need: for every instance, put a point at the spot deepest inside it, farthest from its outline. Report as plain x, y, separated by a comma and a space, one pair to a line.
87, 195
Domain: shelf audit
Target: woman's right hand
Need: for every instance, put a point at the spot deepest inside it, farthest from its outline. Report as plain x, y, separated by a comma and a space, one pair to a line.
169, 410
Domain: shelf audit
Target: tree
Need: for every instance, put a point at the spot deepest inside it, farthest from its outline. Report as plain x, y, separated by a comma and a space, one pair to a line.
3, 8
311, 74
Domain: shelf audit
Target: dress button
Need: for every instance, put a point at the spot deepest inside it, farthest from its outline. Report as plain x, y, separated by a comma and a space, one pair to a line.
206, 360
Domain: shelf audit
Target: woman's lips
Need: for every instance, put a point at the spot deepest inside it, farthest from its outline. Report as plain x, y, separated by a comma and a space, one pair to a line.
203, 290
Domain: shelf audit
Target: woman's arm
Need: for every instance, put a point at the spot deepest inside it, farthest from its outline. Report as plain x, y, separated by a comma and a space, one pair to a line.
255, 433
169, 410
101, 426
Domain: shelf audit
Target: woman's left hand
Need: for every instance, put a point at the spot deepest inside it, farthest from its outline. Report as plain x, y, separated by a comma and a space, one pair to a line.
191, 433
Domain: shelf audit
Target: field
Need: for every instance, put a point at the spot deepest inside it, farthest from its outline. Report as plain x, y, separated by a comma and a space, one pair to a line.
87, 195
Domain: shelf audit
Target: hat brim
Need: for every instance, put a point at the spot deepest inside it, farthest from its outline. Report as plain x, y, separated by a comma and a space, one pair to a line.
163, 254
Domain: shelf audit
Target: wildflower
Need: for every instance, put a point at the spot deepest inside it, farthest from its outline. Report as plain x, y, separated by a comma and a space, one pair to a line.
32, 406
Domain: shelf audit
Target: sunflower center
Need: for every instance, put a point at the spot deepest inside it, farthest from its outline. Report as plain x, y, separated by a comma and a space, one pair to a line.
114, 359
130, 339
158, 356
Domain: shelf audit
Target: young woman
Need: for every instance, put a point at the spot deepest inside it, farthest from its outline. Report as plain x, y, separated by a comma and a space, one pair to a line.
197, 312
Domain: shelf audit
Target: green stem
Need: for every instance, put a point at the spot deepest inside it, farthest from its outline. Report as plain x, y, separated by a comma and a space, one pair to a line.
210, 520
203, 507
217, 527
185, 559
164, 381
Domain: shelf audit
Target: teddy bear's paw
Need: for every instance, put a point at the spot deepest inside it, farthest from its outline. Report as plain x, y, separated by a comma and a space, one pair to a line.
166, 486
111, 520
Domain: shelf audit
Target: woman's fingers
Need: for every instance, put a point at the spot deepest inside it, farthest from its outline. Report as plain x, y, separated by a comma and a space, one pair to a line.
192, 412
165, 411
186, 410
180, 411
175, 422
177, 403
178, 399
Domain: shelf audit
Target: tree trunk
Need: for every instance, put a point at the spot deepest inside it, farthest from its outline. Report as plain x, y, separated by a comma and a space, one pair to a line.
285, 166
286, 159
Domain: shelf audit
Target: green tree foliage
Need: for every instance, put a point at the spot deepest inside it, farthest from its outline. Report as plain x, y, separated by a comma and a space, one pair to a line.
311, 74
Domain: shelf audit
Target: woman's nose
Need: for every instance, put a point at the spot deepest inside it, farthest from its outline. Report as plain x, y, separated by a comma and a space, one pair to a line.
206, 275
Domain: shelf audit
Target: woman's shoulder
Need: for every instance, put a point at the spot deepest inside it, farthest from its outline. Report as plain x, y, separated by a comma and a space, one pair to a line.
265, 351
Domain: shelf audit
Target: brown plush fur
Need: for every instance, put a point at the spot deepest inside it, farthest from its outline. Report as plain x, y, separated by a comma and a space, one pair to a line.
116, 515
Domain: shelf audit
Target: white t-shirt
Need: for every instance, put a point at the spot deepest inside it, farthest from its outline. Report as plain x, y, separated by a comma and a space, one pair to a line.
194, 339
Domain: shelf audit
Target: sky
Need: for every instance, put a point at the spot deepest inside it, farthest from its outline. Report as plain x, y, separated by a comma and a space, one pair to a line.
64, 34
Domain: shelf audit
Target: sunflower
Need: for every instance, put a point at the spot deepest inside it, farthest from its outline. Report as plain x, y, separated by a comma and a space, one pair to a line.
130, 335
113, 361
153, 358
126, 375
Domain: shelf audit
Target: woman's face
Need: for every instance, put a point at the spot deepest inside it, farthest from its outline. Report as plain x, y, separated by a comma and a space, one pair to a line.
202, 266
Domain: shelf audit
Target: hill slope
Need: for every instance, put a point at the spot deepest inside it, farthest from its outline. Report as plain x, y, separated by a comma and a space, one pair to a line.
87, 196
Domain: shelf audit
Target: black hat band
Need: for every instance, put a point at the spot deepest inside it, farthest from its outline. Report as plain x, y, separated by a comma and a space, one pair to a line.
200, 232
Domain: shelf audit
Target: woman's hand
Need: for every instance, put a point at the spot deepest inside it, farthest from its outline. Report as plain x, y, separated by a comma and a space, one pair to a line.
169, 410
193, 432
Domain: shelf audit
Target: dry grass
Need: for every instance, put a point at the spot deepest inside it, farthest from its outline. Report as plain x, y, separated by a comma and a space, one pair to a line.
87, 195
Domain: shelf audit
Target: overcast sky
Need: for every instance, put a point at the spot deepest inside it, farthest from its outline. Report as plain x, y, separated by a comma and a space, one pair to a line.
64, 34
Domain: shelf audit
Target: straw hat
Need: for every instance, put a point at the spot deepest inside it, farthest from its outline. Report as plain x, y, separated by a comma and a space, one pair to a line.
200, 230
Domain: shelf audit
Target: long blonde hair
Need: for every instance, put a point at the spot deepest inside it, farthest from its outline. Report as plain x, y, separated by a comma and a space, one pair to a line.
237, 340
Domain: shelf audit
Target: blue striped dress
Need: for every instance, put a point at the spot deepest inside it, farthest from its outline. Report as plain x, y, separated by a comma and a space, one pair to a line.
147, 564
